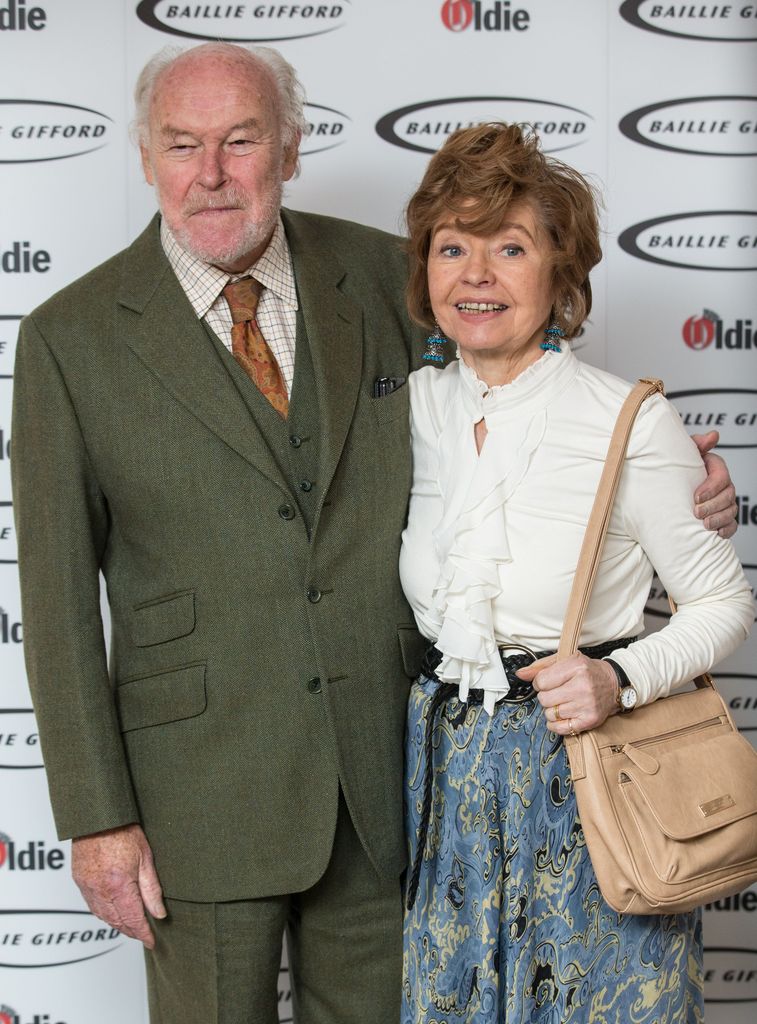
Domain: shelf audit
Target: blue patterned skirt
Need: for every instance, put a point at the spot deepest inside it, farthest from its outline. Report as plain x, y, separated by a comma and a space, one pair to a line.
509, 924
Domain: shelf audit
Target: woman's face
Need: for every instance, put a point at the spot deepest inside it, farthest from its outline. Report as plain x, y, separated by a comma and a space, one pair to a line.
491, 294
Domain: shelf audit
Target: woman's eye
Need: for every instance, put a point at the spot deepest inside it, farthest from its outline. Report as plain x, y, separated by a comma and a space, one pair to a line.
451, 250
512, 250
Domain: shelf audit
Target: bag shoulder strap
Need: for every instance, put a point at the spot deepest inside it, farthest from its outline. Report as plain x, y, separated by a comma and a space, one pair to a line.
599, 520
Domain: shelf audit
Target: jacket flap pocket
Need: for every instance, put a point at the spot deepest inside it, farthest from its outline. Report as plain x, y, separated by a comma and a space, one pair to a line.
698, 787
394, 406
166, 618
412, 647
167, 697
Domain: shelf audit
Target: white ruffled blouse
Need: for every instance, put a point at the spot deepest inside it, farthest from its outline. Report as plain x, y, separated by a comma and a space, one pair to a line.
492, 540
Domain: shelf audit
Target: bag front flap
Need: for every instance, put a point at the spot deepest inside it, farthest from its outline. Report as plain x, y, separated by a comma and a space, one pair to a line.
669, 714
694, 782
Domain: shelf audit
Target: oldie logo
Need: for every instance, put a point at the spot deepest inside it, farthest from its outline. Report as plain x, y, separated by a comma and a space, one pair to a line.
15, 16
9, 1016
245, 22
424, 127
731, 411
699, 332
35, 131
730, 974
458, 15
725, 23
19, 742
707, 240
52, 938
29, 856
326, 128
658, 607
742, 901
8, 335
739, 691
701, 125
22, 258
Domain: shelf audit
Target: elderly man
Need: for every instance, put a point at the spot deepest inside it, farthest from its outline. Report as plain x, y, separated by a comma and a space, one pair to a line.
199, 419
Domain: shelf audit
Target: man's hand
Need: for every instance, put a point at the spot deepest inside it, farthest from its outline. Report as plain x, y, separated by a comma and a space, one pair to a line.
116, 875
716, 497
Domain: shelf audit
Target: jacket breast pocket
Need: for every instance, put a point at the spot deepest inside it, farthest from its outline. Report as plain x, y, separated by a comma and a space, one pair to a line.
165, 697
164, 618
395, 406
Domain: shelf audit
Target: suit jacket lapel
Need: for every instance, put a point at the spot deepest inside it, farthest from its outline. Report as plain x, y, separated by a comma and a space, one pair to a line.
173, 344
334, 325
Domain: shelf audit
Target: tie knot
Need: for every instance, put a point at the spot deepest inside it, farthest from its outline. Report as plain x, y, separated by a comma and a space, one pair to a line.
242, 297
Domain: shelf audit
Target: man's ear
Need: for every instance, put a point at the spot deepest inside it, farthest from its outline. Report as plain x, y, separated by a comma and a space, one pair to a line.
291, 154
146, 165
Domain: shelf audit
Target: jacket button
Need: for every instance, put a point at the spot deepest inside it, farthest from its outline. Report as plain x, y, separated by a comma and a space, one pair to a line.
314, 685
314, 595
306, 485
295, 440
286, 511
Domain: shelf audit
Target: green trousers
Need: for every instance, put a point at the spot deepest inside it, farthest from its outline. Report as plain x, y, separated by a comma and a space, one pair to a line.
219, 962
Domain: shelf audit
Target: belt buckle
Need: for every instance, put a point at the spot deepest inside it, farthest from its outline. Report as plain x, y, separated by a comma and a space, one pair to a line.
526, 650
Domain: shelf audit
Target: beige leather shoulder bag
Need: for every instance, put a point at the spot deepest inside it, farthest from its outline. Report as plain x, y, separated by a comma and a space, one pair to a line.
667, 795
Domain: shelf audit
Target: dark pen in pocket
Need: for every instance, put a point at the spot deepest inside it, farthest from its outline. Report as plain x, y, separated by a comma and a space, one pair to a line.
386, 385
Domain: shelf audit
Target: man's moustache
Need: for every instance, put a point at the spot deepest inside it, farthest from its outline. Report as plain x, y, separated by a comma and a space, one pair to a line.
226, 202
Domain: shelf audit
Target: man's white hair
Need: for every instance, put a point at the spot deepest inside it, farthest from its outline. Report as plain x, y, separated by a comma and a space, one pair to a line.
291, 94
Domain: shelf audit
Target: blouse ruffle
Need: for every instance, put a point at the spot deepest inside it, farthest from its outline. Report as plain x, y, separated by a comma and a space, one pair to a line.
471, 539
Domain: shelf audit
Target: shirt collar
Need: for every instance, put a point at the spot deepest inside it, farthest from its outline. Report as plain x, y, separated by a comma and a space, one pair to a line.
203, 283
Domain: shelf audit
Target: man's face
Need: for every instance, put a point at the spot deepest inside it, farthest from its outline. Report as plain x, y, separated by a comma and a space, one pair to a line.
215, 156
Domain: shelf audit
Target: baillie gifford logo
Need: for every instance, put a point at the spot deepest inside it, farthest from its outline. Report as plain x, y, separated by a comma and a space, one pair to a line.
243, 22
10, 1016
459, 15
709, 329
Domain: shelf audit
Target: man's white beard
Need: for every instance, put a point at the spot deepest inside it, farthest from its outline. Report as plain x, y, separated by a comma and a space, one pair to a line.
254, 234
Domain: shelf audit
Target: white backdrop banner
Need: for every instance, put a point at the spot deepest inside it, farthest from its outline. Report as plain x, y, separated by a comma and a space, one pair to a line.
656, 102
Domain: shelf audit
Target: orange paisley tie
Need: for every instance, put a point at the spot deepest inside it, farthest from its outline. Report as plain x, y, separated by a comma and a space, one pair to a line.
250, 348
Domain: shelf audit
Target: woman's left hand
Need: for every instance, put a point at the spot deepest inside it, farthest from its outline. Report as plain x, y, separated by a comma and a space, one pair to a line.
577, 694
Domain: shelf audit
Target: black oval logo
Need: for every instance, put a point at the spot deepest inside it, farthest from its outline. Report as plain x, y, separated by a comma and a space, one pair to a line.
699, 125
739, 691
732, 411
54, 938
8, 337
730, 974
327, 129
714, 23
424, 127
706, 240
243, 23
20, 749
658, 605
8, 550
35, 131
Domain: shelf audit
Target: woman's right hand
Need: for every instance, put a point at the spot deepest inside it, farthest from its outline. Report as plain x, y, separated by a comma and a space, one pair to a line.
577, 694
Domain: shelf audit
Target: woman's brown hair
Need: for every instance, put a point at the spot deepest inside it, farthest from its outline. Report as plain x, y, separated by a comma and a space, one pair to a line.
476, 176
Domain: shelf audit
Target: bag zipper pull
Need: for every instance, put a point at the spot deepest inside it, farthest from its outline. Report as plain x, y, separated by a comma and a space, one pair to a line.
648, 764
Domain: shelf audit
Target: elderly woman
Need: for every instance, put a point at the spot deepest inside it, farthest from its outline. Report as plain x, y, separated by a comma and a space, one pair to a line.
505, 919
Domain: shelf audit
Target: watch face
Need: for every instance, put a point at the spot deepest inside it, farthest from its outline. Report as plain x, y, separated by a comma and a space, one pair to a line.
628, 697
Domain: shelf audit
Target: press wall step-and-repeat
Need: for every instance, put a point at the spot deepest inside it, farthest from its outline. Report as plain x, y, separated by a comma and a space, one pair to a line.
657, 102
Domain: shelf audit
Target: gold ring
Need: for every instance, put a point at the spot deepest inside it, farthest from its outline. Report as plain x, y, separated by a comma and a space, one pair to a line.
570, 726
557, 712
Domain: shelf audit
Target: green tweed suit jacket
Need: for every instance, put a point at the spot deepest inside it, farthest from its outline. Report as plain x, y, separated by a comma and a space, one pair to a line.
135, 456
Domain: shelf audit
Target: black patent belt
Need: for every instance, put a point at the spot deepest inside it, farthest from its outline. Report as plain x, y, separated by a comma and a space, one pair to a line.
519, 693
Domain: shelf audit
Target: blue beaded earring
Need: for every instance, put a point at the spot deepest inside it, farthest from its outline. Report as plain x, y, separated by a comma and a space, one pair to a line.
434, 344
552, 335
